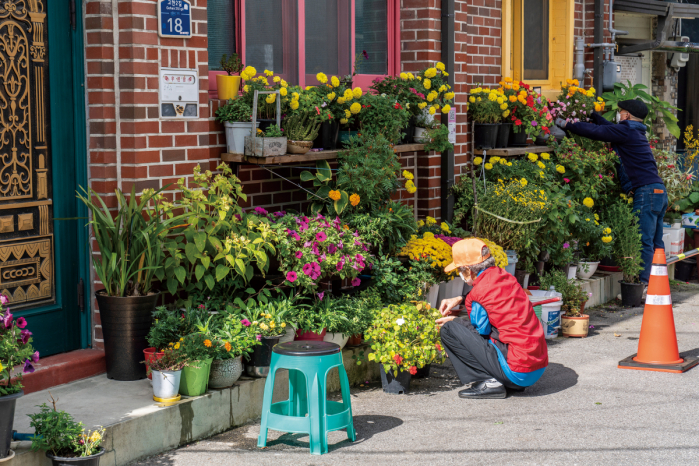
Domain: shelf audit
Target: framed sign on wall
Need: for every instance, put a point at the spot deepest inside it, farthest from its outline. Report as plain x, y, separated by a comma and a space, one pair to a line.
175, 18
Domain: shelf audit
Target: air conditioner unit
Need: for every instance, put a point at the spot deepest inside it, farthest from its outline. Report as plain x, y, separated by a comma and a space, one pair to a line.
679, 60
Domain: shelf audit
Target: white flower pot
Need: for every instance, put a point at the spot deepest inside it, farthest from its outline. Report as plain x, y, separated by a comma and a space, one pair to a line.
235, 135
166, 384
337, 338
586, 269
225, 372
419, 135
570, 271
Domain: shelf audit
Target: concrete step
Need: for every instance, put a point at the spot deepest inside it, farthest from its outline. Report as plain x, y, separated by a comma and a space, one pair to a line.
138, 427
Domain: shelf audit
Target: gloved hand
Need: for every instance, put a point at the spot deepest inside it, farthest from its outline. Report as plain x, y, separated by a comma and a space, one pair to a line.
561, 123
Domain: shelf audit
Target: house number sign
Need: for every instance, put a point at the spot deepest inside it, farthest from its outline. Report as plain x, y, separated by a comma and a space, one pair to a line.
174, 18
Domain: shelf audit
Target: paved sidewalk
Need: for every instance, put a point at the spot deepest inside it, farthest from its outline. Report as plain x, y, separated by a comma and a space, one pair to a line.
583, 411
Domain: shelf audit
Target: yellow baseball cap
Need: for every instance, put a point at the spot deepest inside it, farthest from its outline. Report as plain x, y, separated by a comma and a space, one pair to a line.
466, 252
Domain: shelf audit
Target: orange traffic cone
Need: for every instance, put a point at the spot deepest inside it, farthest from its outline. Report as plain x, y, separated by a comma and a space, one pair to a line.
657, 346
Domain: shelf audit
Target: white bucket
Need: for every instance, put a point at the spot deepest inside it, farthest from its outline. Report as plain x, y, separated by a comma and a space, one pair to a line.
550, 313
235, 135
512, 260
166, 384
676, 243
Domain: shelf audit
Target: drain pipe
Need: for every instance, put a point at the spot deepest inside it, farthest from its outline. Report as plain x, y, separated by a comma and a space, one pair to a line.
579, 68
448, 156
613, 31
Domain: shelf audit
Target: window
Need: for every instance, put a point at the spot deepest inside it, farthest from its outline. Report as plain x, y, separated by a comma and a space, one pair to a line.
537, 39
299, 38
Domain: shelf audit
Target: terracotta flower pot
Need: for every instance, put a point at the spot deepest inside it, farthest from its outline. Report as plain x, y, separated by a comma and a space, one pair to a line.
151, 354
354, 340
298, 147
304, 335
575, 326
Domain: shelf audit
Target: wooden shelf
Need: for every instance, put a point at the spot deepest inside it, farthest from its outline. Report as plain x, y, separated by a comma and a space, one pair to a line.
307, 157
513, 151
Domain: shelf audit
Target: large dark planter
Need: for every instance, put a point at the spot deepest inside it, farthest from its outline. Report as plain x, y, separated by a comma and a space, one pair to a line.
328, 136
631, 294
7, 417
93, 460
266, 123
423, 372
125, 325
518, 139
258, 364
408, 132
503, 135
684, 270
399, 385
485, 135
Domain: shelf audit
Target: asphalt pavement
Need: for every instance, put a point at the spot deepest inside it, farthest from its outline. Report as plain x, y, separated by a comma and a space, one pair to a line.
583, 411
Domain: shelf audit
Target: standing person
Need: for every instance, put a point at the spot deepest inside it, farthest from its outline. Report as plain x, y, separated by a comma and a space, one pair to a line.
638, 172
502, 343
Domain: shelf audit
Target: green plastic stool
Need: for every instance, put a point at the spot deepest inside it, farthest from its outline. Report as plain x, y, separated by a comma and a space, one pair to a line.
307, 410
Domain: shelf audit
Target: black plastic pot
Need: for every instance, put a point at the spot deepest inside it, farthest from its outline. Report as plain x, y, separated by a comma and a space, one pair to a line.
7, 417
266, 123
399, 385
485, 135
503, 135
328, 136
541, 140
631, 294
258, 365
408, 132
518, 139
608, 261
93, 460
423, 372
684, 270
125, 325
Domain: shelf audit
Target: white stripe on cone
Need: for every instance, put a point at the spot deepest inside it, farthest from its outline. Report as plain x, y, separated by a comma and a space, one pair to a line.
659, 270
658, 299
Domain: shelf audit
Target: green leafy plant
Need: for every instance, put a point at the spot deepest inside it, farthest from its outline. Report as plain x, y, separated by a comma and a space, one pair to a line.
571, 290
483, 106
173, 359
301, 127
380, 115
169, 325
231, 64
404, 337
15, 350
387, 228
356, 314
269, 318
332, 201
59, 434
629, 92
438, 137
396, 282
272, 132
627, 247
233, 337
677, 180
234, 111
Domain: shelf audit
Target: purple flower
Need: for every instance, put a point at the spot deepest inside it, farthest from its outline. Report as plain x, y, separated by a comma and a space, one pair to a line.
357, 243
307, 269
293, 234
3, 299
24, 336
299, 254
584, 106
340, 265
321, 236
28, 368
291, 276
366, 55
600, 177
355, 234
307, 244
534, 123
260, 210
281, 213
303, 227
35, 356
238, 217
305, 219
7, 319
320, 296
359, 258
319, 217
21, 323
356, 281
365, 248
340, 245
566, 245
315, 266
332, 249
246, 322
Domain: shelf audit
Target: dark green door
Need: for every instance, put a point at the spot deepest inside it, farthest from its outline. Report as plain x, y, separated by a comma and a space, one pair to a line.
39, 257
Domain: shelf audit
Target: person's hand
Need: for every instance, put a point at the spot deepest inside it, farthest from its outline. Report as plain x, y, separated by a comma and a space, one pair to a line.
446, 305
561, 123
443, 320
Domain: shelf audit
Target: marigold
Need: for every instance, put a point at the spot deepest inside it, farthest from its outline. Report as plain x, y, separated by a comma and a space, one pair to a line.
335, 195
588, 202
606, 239
269, 73
355, 108
533, 157
334, 81
445, 227
331, 96
478, 160
430, 72
403, 76
271, 98
446, 108
283, 92
422, 105
357, 92
354, 200
207, 343
545, 156
347, 113
430, 221
541, 165
449, 95
228, 346
348, 95
505, 114
344, 121
523, 181
294, 104
427, 83
440, 66
432, 111
607, 231
177, 345
322, 78
407, 175
560, 169
488, 166
472, 99
276, 79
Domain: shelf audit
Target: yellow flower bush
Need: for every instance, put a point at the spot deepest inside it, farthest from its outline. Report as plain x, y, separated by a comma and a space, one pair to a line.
331, 96
588, 202
430, 221
403, 76
436, 251
334, 81
445, 227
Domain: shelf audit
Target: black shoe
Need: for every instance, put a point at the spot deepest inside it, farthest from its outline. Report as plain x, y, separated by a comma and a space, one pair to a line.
487, 389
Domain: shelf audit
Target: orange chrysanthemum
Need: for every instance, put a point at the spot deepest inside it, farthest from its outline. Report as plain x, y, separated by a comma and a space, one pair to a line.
227, 346
207, 343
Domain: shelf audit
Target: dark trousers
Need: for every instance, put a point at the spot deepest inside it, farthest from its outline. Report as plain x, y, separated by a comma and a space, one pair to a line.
650, 208
471, 354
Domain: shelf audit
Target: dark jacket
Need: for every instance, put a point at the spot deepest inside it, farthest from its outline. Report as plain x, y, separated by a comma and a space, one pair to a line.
512, 315
629, 141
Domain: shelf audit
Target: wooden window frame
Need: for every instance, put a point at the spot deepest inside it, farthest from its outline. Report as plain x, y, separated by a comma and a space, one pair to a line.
361, 80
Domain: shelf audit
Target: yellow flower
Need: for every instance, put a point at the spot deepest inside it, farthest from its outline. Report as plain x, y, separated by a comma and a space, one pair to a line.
294, 104
444, 73
404, 76
488, 166
449, 95
284, 83
503, 107
440, 66
272, 324
523, 182
354, 199
446, 108
263, 326
422, 105
533, 157
607, 231
409, 185
283, 325
271, 98
430, 221
330, 96
334, 81
500, 100
344, 121
545, 156
348, 94
322, 78
407, 175
560, 169
596, 217
228, 346
472, 99
411, 76
432, 111
427, 83
347, 113
250, 71
207, 343
95, 437
357, 92
492, 97
505, 114
445, 227
268, 73
335, 195
478, 160
513, 98
541, 174
430, 72
1, 368
276, 79
494, 159
541, 165
340, 100
246, 88
428, 235
355, 108
515, 86
421, 223
177, 345
588, 202
283, 92
606, 239
295, 96
587, 219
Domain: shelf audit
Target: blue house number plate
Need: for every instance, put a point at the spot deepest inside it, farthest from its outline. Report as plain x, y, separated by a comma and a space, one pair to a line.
175, 18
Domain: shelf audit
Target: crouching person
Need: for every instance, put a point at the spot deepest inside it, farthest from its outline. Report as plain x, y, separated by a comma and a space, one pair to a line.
501, 344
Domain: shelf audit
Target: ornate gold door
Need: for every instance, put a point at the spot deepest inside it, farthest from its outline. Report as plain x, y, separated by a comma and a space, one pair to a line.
26, 206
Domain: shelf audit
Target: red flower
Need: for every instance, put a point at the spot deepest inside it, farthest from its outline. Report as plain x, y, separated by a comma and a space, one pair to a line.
438, 346
398, 359
546, 130
413, 370
518, 122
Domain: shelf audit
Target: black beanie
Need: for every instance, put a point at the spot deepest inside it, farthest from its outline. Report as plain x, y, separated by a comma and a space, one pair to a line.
637, 108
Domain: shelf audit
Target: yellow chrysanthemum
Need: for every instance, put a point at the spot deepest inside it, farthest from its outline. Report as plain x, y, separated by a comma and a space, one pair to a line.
322, 78
344, 121
271, 98
533, 157
445, 227
430, 221
472, 99
446, 108
283, 92
541, 165
407, 175
403, 76
354, 200
607, 231
503, 107
422, 105
588, 202
294, 104
335, 195
357, 92
331, 96
523, 181
440, 66
334, 81
430, 72
545, 156
488, 166
246, 88
560, 169
506, 113
606, 239
340, 100
355, 108
276, 79
432, 111
478, 160
269, 73
492, 97
449, 96
427, 83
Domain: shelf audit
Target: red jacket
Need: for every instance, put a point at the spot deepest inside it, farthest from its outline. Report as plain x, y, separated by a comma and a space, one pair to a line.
511, 313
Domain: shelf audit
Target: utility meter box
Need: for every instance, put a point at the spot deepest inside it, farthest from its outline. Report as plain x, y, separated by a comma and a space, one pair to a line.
179, 93
611, 70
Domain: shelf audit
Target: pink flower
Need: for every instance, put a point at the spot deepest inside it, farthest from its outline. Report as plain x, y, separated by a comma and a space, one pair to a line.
299, 254
566, 180
321, 236
332, 249
307, 269
356, 281
246, 322
291, 276
260, 210
21, 322
320, 295
340, 265
566, 245
259, 337
600, 177
303, 227
24, 336
316, 267
35, 356
534, 123
7, 319
3, 299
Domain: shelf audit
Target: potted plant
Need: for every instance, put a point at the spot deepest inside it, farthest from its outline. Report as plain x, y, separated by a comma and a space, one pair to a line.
231, 341
422, 121
199, 352
15, 350
627, 252
65, 441
167, 373
130, 259
348, 316
268, 143
227, 84
236, 116
301, 129
404, 339
574, 323
484, 108
266, 323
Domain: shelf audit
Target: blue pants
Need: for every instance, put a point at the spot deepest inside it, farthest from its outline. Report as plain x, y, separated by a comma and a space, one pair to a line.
650, 208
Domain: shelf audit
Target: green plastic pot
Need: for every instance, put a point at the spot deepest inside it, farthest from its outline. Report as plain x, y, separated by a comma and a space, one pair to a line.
195, 380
